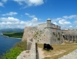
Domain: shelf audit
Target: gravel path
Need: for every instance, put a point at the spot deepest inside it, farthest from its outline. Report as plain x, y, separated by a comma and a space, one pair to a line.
41, 53
72, 55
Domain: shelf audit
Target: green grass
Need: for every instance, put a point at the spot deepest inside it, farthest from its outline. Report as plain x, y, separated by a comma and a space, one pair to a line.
55, 53
18, 47
14, 34
15, 51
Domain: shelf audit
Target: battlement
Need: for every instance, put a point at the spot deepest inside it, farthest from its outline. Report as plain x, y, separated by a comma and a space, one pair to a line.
48, 24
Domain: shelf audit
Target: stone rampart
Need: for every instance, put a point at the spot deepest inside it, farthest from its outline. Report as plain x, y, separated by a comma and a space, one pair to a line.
43, 33
29, 54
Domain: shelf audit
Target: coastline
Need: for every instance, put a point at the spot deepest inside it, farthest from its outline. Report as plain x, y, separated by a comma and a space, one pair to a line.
9, 37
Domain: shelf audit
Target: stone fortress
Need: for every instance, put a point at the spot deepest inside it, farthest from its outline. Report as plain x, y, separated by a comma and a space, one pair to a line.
44, 33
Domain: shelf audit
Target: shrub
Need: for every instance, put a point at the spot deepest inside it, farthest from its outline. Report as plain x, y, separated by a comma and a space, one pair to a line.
13, 53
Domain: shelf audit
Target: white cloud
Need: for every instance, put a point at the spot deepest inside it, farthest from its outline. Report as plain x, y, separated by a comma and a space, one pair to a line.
34, 20
70, 26
31, 16
55, 23
30, 2
64, 22
11, 22
70, 17
27, 14
10, 14
4, 1
1, 4
11, 19
35, 2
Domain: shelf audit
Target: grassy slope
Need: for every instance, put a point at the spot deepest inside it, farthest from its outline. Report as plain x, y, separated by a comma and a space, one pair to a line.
15, 51
14, 34
59, 50
54, 54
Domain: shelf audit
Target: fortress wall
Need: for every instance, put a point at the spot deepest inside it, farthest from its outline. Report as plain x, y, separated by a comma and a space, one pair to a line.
47, 35
43, 33
53, 39
70, 35
70, 32
56, 34
42, 37
29, 33
55, 26
60, 36
30, 53
41, 26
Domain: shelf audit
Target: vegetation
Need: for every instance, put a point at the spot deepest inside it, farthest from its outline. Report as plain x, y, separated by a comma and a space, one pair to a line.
58, 50
14, 34
58, 38
53, 33
37, 34
15, 51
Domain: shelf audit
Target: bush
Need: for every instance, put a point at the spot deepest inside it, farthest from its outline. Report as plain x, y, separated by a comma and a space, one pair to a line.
13, 53
21, 45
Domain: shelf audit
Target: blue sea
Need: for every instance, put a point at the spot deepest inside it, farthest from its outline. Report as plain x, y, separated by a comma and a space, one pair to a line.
6, 43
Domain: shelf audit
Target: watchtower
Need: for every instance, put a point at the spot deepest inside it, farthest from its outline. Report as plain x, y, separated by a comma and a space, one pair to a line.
48, 22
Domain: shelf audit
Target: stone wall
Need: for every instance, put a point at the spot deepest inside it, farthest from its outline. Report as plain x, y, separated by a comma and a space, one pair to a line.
29, 33
29, 54
70, 35
41, 26
43, 33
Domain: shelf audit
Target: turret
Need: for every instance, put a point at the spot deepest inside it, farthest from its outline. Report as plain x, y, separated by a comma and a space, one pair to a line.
48, 21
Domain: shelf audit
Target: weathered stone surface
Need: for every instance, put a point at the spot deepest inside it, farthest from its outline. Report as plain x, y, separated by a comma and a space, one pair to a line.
28, 54
43, 33
72, 55
70, 35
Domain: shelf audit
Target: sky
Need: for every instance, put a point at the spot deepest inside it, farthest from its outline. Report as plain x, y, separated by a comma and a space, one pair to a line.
23, 13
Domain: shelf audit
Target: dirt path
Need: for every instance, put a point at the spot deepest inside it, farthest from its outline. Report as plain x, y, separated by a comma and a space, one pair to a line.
41, 53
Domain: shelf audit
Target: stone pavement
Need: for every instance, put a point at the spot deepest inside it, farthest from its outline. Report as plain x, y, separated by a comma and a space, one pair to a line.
72, 55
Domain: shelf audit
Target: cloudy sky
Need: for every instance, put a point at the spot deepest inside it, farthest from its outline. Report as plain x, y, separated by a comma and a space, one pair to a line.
22, 13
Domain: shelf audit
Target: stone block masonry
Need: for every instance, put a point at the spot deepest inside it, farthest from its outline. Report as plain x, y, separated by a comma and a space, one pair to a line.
43, 33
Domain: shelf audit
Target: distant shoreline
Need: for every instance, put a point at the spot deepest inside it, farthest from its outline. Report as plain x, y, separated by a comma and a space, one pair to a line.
8, 36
